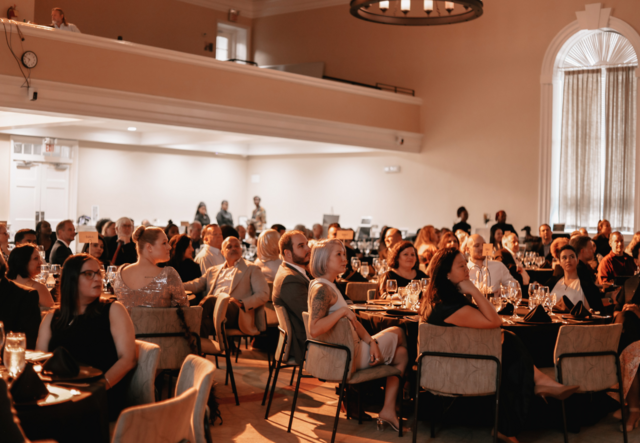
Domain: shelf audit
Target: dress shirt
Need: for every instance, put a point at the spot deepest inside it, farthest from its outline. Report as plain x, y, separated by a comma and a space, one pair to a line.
209, 257
68, 27
225, 279
573, 291
498, 274
615, 266
299, 269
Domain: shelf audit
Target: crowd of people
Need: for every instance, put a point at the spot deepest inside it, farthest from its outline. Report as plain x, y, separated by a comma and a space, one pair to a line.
158, 266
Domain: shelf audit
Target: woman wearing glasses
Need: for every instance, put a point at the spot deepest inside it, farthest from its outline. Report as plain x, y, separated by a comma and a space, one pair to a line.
96, 332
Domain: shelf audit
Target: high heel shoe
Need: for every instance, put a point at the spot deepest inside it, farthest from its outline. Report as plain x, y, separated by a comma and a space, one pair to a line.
635, 423
561, 393
381, 424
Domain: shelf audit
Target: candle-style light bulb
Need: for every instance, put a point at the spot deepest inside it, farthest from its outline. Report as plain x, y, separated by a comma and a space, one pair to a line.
449, 6
384, 6
405, 6
428, 6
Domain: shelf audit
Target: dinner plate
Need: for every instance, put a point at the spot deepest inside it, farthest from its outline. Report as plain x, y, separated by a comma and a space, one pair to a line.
86, 373
371, 308
384, 302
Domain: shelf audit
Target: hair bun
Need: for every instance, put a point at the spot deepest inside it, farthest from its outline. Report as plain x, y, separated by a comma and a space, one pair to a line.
139, 232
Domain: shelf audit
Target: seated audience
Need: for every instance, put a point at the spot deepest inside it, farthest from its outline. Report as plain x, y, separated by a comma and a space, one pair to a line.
391, 238
629, 249
46, 238
58, 21
4, 241
144, 283
210, 254
511, 246
495, 238
585, 251
501, 219
244, 283
463, 215
318, 231
24, 266
19, 309
120, 247
583, 231
66, 233
462, 237
556, 245
544, 247
100, 224
109, 229
241, 233
201, 215
498, 272
96, 332
181, 261
291, 287
575, 286
426, 237
252, 236
224, 217
426, 256
616, 263
171, 230
448, 240
269, 254
98, 250
404, 266
326, 306
25, 236
195, 234
601, 239
504, 256
445, 304
280, 228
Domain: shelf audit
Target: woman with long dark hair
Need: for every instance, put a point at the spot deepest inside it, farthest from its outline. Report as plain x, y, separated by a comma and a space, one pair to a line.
445, 304
98, 250
24, 265
171, 230
45, 238
96, 332
181, 261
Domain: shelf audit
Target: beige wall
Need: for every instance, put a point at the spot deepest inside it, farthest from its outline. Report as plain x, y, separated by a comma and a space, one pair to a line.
155, 183
5, 170
168, 24
481, 90
25, 9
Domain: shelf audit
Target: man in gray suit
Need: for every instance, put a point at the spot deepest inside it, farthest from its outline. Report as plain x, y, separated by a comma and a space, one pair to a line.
247, 287
291, 286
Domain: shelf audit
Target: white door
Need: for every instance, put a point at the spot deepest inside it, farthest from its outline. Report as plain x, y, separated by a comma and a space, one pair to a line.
24, 195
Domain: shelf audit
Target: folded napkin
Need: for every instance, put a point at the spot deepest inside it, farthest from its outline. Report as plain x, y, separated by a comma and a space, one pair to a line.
507, 310
564, 306
538, 315
61, 364
579, 311
28, 387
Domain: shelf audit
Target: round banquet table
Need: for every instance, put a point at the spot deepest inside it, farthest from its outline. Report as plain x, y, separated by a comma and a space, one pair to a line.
83, 419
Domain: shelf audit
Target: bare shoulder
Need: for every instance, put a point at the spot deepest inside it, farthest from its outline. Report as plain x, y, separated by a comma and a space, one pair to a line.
118, 309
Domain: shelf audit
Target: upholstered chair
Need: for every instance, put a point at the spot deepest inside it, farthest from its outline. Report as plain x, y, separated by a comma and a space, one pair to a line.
197, 372
141, 389
357, 291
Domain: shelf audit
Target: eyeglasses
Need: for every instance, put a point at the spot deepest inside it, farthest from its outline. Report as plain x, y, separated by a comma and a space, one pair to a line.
91, 274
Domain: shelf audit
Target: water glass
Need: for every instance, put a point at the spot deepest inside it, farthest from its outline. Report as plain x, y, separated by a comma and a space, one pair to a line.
496, 301
425, 283
355, 264
415, 287
364, 269
14, 351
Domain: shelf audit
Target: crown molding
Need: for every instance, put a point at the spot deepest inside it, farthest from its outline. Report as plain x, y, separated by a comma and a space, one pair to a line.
264, 8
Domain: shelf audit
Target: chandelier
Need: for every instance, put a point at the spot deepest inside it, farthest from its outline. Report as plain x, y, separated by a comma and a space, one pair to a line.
416, 12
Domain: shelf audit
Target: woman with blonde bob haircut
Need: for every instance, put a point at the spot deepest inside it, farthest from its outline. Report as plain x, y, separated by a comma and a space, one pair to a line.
327, 306
144, 283
269, 254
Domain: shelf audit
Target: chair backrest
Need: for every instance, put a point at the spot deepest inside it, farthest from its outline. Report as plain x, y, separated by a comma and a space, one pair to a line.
141, 389
165, 421
357, 291
219, 317
285, 324
371, 294
165, 321
593, 373
460, 376
328, 363
197, 372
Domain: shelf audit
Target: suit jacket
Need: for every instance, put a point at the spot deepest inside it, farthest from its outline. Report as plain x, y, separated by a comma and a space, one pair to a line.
539, 249
208, 258
291, 291
60, 252
127, 253
19, 310
248, 285
591, 291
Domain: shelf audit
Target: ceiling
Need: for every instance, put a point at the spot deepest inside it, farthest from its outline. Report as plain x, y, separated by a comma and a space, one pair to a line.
264, 8
154, 135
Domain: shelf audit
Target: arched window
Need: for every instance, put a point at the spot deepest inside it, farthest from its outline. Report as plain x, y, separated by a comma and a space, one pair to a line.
594, 158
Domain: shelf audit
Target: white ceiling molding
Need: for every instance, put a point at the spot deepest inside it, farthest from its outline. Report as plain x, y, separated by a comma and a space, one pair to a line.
265, 8
594, 17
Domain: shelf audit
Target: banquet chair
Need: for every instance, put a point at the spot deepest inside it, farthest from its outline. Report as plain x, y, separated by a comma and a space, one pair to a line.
162, 326
219, 347
329, 357
197, 372
141, 389
282, 356
164, 421
587, 355
357, 291
457, 362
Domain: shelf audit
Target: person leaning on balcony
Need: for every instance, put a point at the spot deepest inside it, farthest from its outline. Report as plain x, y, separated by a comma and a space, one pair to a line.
58, 21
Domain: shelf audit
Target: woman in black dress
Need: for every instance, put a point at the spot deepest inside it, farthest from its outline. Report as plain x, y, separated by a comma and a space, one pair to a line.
181, 261
95, 332
98, 250
404, 264
445, 304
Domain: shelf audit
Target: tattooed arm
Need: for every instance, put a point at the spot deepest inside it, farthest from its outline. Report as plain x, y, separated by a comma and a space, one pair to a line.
320, 300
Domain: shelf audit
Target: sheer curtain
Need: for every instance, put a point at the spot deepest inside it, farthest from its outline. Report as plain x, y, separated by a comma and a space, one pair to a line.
620, 136
580, 199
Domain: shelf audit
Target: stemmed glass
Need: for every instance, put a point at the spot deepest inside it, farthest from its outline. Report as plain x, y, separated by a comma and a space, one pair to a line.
42, 252
533, 287
415, 287
543, 292
14, 353
425, 283
364, 269
355, 264
111, 274
392, 288
515, 297
55, 270
1, 335
376, 265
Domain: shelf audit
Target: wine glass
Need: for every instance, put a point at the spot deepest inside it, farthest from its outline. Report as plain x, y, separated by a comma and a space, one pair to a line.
1, 334
415, 287
392, 287
425, 283
544, 295
55, 270
376, 265
14, 352
496, 301
364, 269
533, 287
515, 297
111, 274
355, 264
553, 299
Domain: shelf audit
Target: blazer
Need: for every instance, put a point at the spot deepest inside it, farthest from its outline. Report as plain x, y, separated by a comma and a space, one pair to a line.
59, 253
126, 254
591, 291
19, 310
291, 290
248, 285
